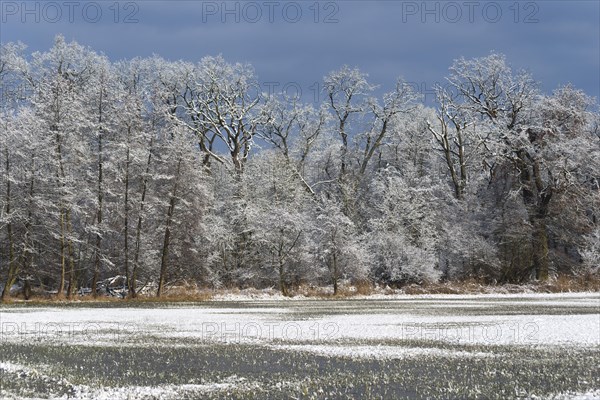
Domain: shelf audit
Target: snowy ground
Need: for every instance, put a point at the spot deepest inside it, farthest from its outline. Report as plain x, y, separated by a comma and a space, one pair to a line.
443, 346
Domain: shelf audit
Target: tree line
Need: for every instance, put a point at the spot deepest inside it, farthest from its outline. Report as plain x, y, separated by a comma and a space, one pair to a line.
168, 172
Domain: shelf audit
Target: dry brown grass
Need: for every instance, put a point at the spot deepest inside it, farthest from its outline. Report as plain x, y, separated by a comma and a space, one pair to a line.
53, 299
172, 294
192, 293
469, 286
565, 283
359, 288
561, 284
310, 291
180, 293
172, 298
364, 287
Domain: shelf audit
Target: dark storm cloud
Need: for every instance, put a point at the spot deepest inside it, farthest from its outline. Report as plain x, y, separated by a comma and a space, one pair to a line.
559, 42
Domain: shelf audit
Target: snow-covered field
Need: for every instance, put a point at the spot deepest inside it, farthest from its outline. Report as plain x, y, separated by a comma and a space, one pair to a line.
443, 346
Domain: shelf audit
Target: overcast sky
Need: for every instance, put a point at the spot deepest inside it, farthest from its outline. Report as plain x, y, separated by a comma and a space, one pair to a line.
296, 43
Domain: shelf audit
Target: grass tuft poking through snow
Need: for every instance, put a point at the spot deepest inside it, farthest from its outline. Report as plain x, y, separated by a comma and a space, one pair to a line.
490, 346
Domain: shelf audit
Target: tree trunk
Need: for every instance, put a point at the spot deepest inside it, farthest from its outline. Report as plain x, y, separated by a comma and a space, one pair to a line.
541, 262
72, 279
99, 220
167, 239
540, 250
27, 289
26, 257
126, 222
98, 257
165, 255
61, 284
12, 266
280, 257
536, 197
138, 232
370, 150
60, 175
335, 273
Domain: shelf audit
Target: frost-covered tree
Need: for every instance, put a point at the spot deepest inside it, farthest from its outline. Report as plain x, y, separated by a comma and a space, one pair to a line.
281, 215
347, 91
590, 252
153, 170
221, 102
342, 250
292, 128
406, 232
61, 78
